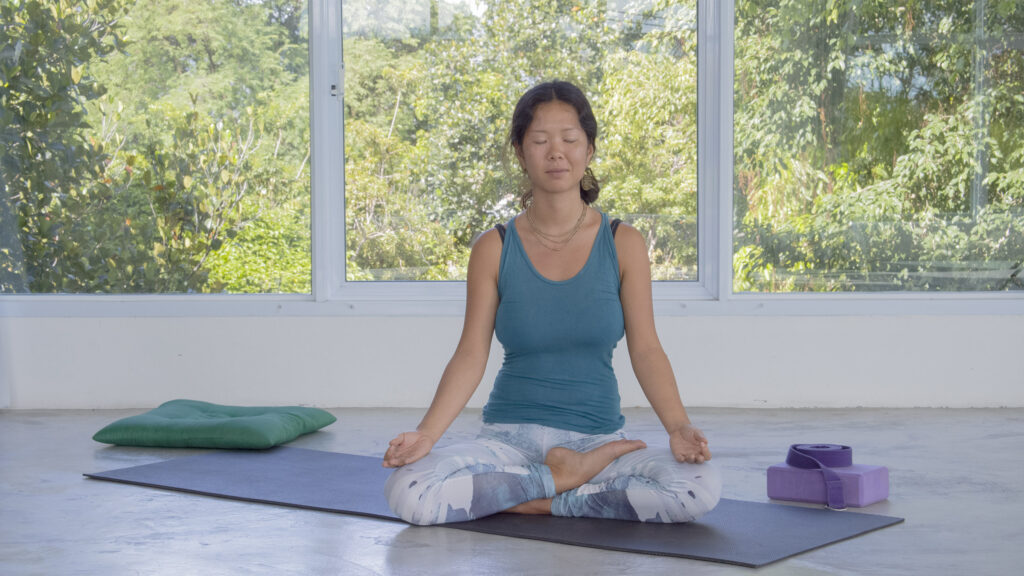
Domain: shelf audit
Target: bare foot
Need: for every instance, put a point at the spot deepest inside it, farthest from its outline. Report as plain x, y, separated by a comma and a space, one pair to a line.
572, 469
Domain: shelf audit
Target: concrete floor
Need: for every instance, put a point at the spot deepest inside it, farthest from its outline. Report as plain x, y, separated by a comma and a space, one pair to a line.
957, 476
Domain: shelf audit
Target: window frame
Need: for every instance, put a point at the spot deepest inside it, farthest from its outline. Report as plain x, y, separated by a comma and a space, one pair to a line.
332, 295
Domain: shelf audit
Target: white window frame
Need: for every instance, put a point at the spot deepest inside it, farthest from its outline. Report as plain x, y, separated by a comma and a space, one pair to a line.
332, 295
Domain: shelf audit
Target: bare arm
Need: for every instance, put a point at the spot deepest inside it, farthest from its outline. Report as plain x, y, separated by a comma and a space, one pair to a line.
648, 358
466, 368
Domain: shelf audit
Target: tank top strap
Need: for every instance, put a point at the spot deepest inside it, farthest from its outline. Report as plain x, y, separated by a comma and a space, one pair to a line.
608, 255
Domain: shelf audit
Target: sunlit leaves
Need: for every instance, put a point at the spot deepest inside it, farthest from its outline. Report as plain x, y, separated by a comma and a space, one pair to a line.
430, 106
147, 136
870, 153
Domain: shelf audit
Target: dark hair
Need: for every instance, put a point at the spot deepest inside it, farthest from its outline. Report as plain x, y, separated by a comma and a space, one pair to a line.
556, 90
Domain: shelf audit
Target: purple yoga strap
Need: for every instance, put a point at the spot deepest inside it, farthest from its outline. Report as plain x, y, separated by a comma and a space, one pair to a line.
824, 457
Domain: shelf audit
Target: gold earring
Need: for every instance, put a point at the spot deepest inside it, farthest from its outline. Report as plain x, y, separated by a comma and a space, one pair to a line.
588, 182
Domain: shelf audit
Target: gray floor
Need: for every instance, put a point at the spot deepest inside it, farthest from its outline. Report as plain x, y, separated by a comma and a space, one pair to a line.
956, 476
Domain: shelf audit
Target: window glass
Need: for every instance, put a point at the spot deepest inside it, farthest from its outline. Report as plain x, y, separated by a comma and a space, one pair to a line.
879, 146
430, 86
154, 146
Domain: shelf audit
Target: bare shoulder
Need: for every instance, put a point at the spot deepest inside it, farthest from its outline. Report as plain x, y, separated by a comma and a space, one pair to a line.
488, 242
486, 252
631, 247
626, 233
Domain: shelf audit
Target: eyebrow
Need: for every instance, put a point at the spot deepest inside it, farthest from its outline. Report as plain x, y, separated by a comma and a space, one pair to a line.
569, 129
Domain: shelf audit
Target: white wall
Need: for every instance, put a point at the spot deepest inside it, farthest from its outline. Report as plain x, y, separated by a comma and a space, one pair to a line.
772, 361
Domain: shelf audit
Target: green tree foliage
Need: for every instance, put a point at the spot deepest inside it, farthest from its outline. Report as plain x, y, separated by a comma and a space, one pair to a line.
179, 126
186, 199
878, 145
271, 254
650, 144
390, 233
163, 145
428, 102
50, 170
212, 134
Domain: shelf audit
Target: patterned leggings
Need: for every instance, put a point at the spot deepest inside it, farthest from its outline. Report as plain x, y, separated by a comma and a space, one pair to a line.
504, 467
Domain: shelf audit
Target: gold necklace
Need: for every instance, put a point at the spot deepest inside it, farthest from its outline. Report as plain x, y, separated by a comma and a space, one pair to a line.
555, 242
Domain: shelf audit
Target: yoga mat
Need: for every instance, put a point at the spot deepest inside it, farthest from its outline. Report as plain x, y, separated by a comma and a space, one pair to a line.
735, 532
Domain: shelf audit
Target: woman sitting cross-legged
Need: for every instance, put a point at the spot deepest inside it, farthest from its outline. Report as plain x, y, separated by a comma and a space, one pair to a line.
559, 285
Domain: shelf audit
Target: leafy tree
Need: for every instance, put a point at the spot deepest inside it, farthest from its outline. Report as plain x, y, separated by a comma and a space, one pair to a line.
869, 154
213, 103
150, 146
217, 56
446, 91
141, 146
649, 150
268, 255
194, 195
50, 168
390, 234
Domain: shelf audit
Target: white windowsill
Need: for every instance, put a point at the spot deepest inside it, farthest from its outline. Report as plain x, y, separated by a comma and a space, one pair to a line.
450, 301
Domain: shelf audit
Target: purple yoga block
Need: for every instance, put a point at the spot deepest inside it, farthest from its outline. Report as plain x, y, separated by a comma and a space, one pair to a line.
862, 484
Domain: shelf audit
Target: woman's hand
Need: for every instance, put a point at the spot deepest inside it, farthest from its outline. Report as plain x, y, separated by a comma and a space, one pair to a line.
689, 444
407, 448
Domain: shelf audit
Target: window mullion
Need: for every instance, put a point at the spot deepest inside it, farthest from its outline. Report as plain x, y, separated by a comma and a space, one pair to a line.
724, 149
326, 93
714, 146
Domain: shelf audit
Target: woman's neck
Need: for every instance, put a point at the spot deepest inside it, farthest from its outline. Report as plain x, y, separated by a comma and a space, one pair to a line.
556, 213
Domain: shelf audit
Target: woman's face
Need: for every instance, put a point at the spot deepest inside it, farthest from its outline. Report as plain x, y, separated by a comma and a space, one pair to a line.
555, 150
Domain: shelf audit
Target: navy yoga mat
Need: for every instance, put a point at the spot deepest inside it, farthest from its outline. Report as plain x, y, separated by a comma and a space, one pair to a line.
736, 532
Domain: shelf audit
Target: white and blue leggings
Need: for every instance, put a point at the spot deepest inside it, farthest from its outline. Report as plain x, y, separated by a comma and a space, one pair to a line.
504, 467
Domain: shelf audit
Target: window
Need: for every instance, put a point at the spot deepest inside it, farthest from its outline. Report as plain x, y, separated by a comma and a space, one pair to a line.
155, 146
347, 152
429, 91
879, 146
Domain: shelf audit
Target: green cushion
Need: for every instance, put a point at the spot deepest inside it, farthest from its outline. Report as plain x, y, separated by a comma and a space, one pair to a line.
193, 424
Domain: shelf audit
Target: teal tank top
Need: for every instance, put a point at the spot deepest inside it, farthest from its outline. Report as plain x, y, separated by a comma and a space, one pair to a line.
558, 339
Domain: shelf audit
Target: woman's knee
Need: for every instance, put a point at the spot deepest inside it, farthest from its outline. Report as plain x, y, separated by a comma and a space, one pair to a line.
696, 488
414, 491
439, 487
402, 496
694, 495
704, 489
426, 491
